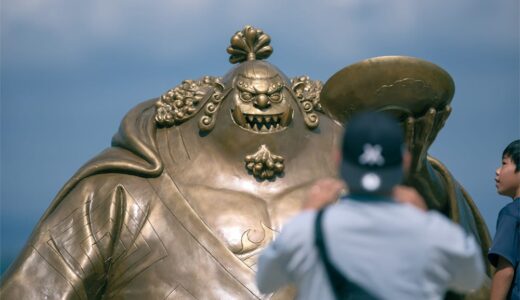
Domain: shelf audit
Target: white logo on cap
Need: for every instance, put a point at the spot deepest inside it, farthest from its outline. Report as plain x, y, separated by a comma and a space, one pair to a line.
372, 155
370, 182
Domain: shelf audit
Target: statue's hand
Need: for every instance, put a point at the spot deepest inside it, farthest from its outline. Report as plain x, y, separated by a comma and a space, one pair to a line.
420, 133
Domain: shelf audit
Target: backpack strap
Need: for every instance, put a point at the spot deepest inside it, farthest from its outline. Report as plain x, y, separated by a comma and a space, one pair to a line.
338, 282
343, 288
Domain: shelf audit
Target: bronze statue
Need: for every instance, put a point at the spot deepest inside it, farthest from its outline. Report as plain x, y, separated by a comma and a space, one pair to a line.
201, 179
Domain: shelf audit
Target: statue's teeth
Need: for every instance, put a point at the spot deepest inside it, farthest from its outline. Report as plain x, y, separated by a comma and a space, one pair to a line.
262, 123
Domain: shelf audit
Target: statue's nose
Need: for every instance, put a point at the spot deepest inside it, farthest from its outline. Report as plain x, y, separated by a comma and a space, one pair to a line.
262, 101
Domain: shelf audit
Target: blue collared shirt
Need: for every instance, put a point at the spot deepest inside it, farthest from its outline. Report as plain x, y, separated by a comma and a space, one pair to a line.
506, 242
392, 250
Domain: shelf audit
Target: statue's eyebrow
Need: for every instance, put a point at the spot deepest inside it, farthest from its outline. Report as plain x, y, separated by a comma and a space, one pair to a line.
248, 88
273, 88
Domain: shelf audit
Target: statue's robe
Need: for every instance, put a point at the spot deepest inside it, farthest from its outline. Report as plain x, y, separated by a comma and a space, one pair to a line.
461, 208
121, 228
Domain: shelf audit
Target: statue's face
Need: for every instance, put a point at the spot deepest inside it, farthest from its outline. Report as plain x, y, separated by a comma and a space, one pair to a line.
261, 104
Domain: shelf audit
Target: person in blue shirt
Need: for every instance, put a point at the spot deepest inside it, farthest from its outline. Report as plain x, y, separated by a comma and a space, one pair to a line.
505, 250
370, 244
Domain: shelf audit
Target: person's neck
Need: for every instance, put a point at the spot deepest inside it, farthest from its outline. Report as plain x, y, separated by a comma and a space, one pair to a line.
369, 196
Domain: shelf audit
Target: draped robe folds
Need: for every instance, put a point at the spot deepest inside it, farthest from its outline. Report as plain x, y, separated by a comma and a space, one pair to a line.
121, 228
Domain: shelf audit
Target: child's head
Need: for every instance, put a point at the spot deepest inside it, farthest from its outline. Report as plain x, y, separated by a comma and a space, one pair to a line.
508, 175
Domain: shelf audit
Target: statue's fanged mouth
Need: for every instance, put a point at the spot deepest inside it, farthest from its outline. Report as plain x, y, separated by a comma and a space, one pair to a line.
263, 123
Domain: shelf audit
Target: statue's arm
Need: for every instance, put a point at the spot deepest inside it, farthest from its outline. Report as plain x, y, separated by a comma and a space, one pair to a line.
433, 180
420, 132
70, 250
431, 185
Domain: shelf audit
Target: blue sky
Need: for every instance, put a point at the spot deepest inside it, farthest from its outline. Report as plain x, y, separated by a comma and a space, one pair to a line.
71, 69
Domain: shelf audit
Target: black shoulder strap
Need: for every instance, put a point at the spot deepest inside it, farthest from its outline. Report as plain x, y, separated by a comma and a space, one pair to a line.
342, 287
338, 282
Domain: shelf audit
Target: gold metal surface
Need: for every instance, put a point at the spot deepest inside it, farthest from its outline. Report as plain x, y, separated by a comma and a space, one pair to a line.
407, 85
182, 102
198, 181
263, 164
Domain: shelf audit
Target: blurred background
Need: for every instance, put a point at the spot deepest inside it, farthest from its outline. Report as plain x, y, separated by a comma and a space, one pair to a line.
70, 70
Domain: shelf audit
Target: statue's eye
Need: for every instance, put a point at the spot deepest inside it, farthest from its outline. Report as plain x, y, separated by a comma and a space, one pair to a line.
246, 96
275, 97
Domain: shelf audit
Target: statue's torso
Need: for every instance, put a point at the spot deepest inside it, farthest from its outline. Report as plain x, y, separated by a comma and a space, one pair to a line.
245, 222
243, 211
196, 242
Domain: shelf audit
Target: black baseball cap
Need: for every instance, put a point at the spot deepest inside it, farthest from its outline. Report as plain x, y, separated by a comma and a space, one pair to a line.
372, 150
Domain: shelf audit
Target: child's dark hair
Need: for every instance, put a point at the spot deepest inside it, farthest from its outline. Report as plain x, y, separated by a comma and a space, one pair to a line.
513, 152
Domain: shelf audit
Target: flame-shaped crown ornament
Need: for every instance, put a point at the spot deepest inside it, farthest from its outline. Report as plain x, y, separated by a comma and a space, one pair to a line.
249, 44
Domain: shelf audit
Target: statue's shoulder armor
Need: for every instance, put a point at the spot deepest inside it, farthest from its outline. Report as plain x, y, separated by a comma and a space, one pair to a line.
307, 93
186, 99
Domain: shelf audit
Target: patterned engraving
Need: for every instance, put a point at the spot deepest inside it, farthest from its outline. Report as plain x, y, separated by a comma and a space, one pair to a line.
111, 235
